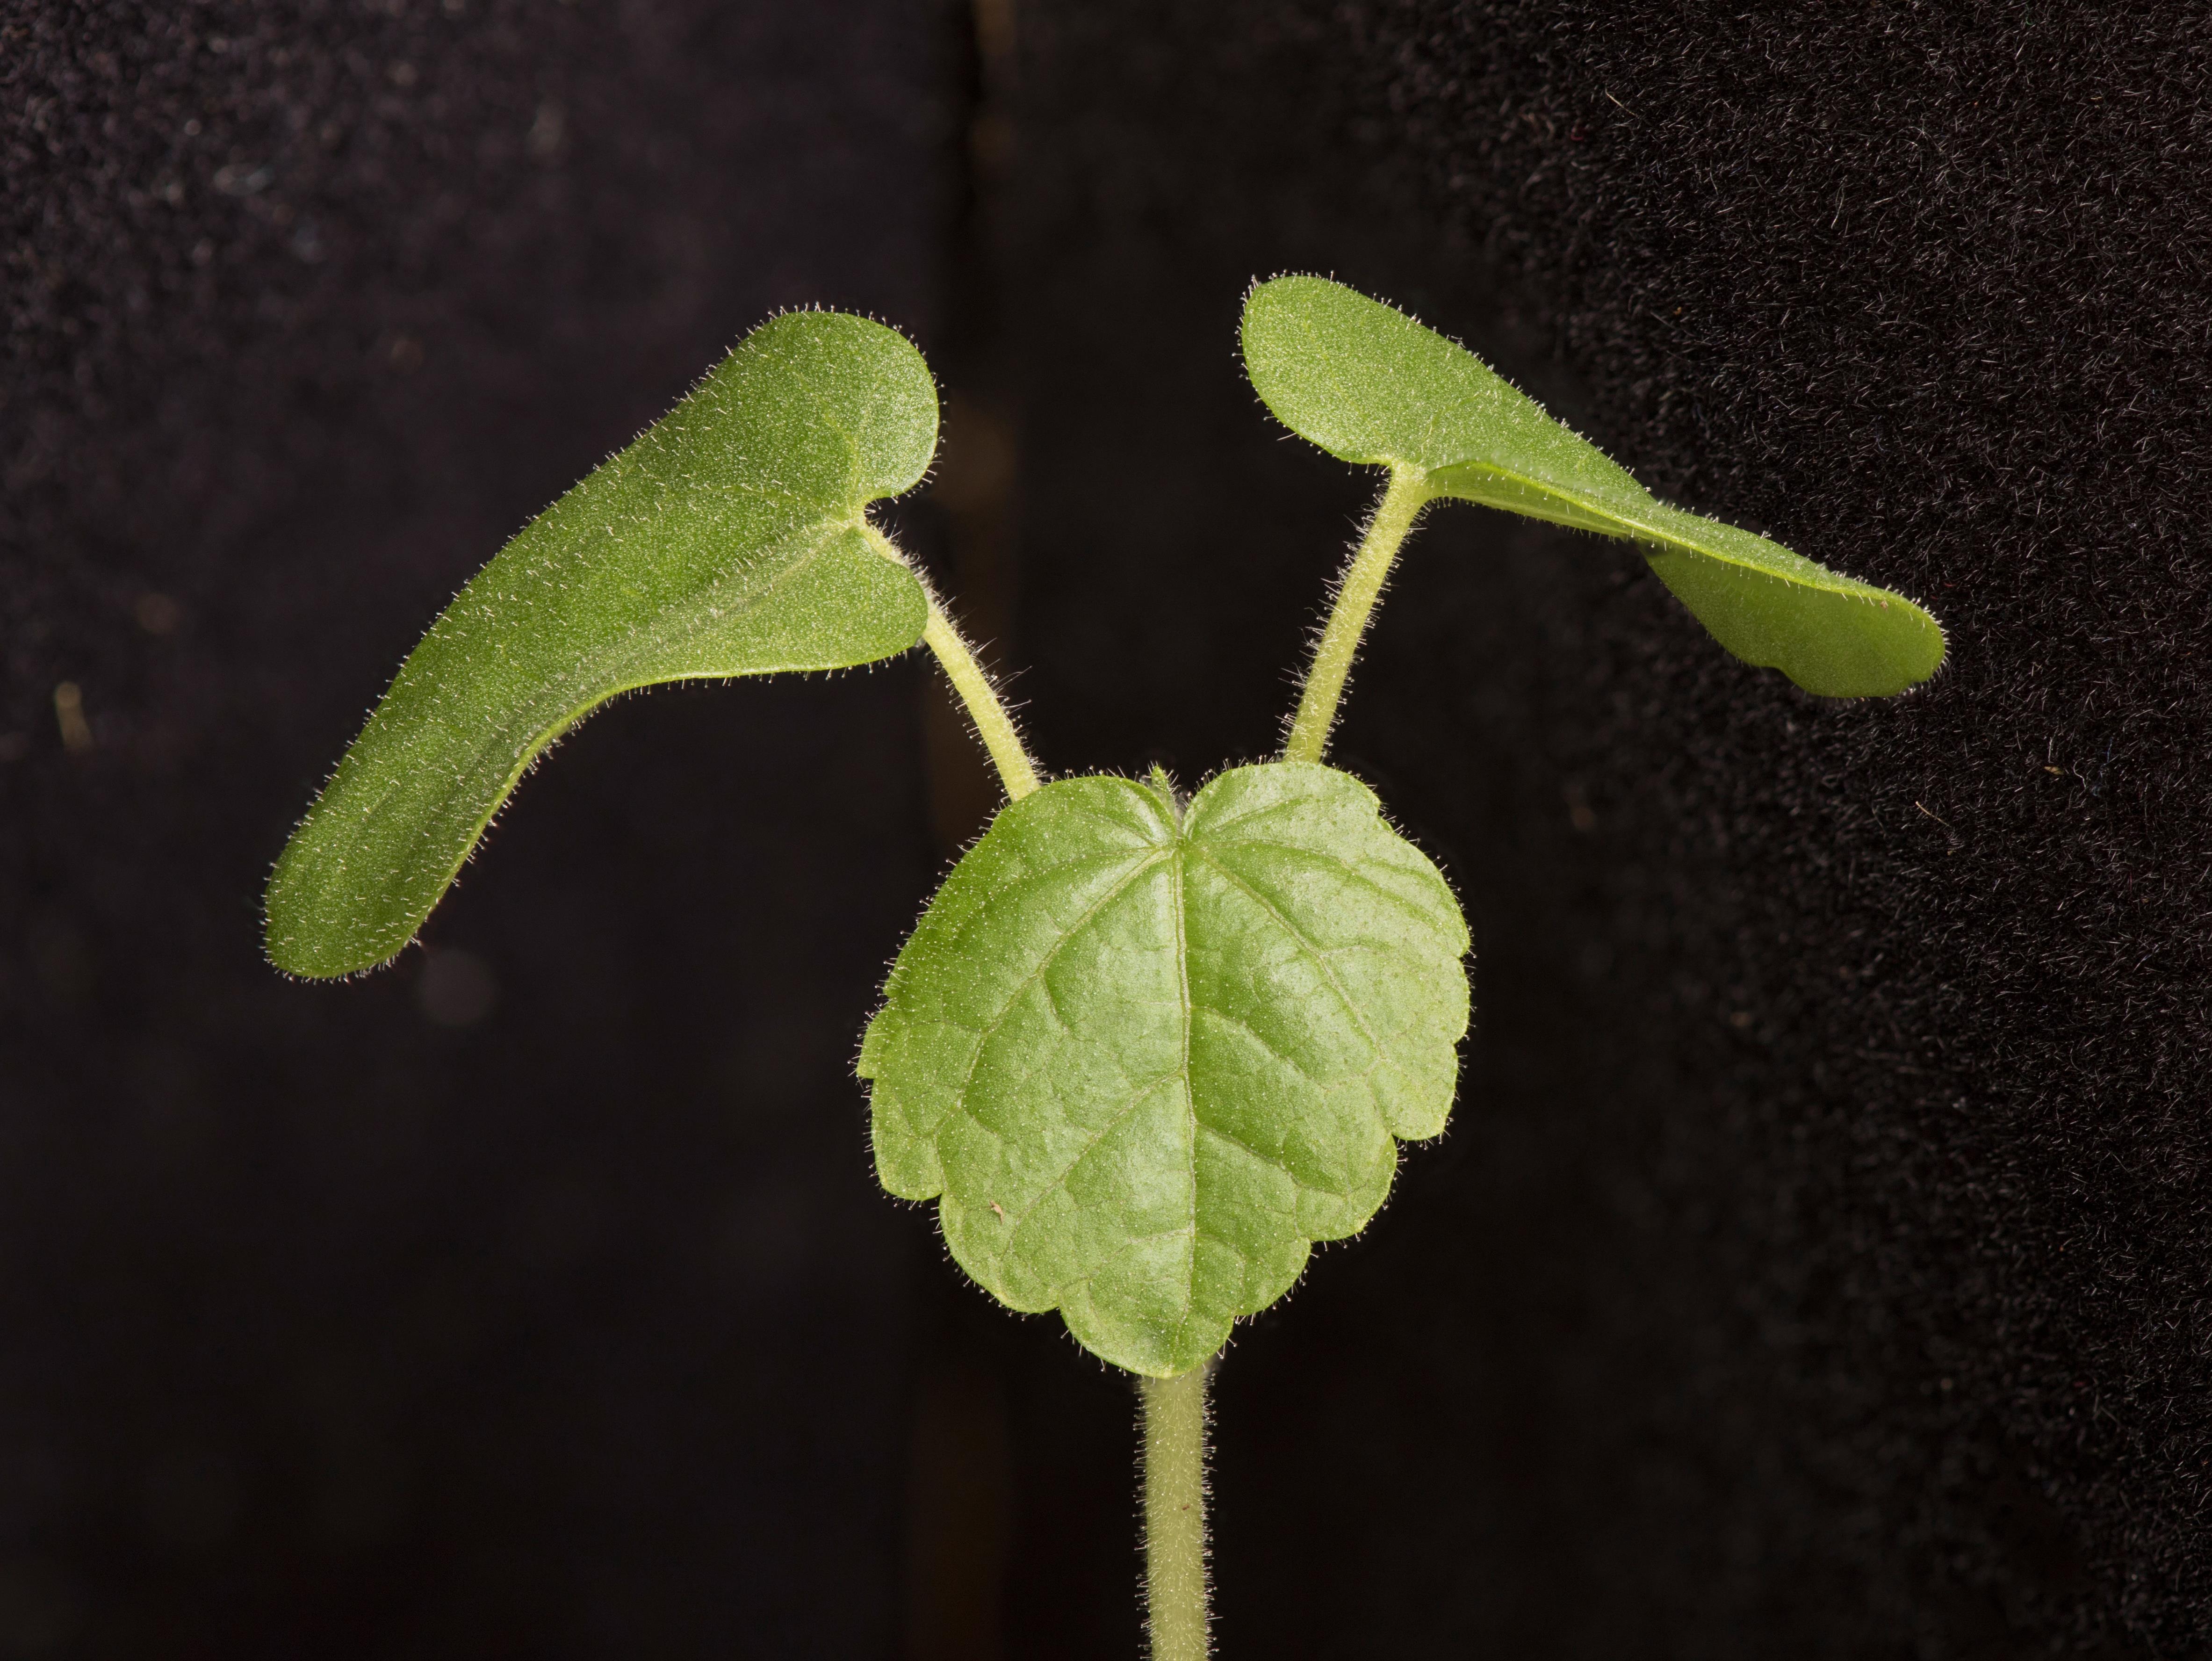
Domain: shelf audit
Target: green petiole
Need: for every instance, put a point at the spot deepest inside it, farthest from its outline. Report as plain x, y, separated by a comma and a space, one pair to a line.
994, 726
1175, 1514
1361, 586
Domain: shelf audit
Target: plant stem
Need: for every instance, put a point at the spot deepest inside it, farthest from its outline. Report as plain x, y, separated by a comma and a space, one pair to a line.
993, 724
1174, 1513
1394, 515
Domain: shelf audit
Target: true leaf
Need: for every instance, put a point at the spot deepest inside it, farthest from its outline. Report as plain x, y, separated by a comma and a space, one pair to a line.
1368, 384
1147, 1056
730, 539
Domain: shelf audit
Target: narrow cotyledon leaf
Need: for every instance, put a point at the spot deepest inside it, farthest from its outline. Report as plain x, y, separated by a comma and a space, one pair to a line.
1145, 1053
731, 538
1368, 384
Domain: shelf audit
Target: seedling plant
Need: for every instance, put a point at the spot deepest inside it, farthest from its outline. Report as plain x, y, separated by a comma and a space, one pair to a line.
1143, 1049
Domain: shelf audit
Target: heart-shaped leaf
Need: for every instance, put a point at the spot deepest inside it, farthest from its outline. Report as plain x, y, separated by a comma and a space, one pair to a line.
1148, 1056
732, 538
1368, 384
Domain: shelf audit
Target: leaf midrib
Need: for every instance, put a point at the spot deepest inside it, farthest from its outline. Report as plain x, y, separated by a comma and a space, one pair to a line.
1635, 530
1174, 855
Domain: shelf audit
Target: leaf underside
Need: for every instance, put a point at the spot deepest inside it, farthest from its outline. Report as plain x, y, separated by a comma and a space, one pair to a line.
730, 539
1147, 1058
1368, 384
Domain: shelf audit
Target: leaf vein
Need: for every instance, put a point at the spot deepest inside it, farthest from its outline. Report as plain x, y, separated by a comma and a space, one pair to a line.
1320, 958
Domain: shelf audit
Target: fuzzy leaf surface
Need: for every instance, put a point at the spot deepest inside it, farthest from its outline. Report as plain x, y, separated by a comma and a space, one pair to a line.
1145, 1058
731, 538
1368, 384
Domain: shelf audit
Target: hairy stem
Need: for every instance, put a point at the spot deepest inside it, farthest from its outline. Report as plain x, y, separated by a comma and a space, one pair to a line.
993, 724
1174, 1513
1394, 515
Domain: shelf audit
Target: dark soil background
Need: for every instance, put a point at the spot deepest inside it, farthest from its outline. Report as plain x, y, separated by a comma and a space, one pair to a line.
1818, 1262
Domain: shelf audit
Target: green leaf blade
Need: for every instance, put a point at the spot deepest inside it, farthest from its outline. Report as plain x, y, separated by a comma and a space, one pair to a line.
1832, 636
1144, 1060
1370, 384
730, 539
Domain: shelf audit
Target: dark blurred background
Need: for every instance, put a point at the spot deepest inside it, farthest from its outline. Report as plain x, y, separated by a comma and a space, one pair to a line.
1818, 1264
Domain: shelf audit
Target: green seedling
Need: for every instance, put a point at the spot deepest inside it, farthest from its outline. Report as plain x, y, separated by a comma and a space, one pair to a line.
1143, 1050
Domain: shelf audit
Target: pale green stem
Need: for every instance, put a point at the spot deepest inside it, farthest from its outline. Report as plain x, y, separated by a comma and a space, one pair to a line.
1174, 1513
993, 724
1394, 515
